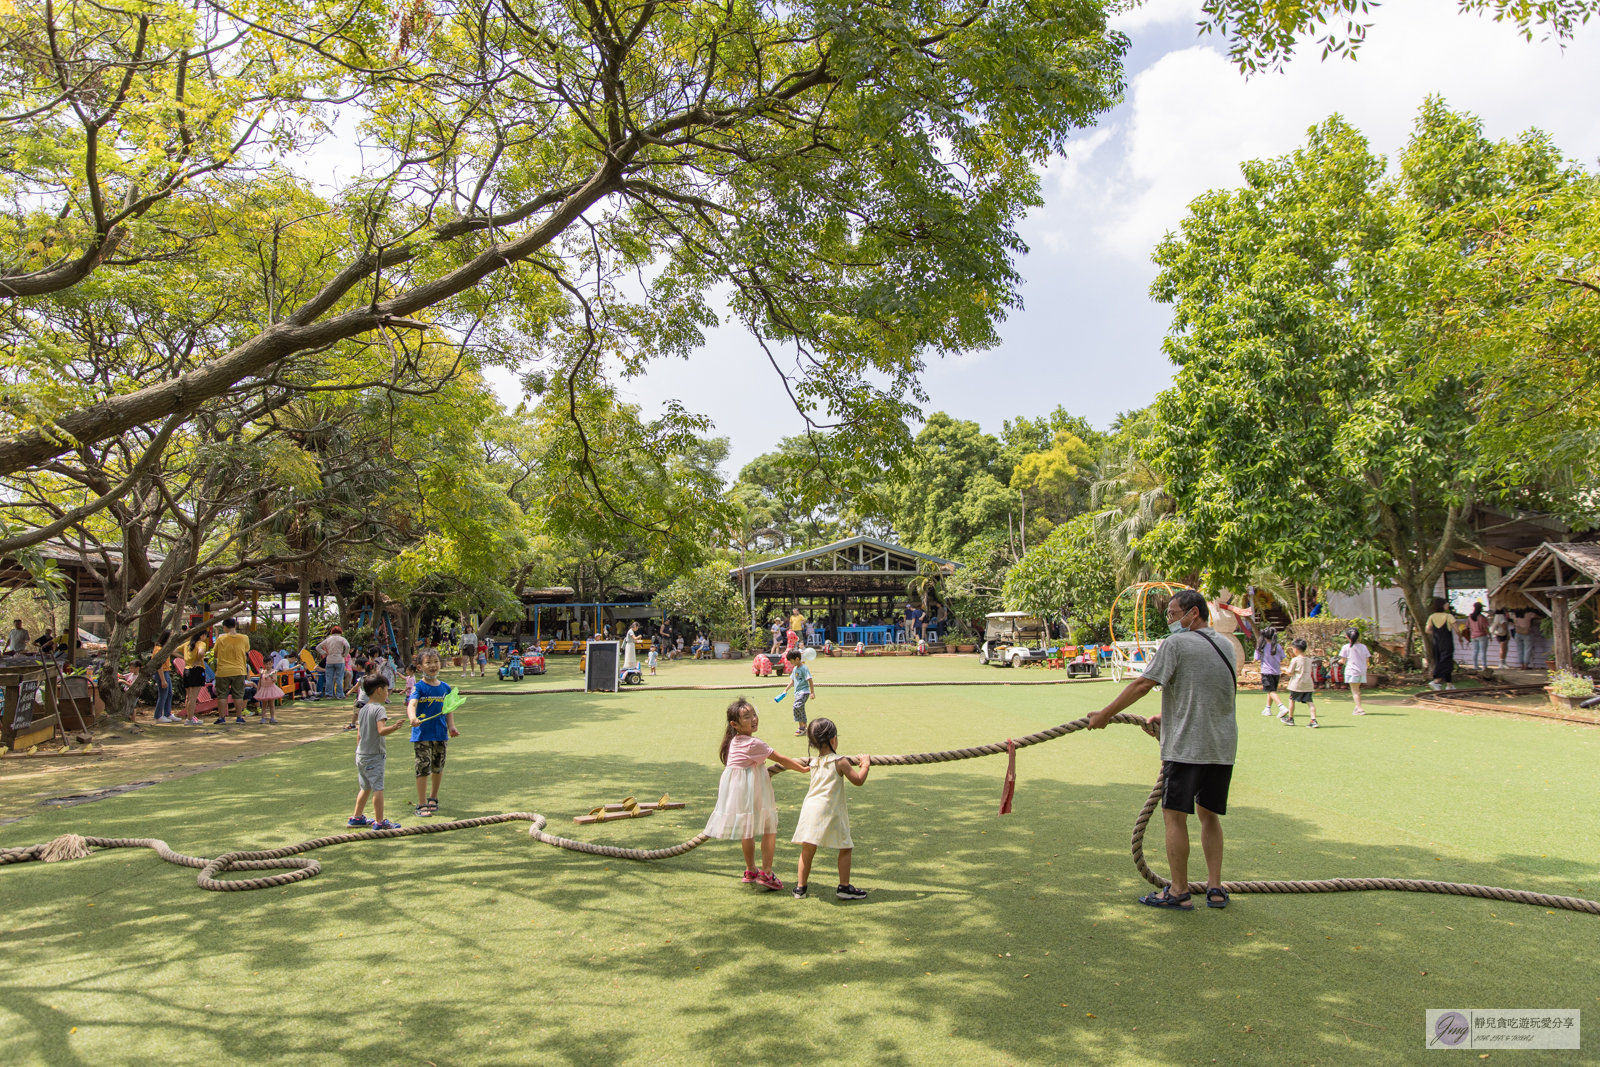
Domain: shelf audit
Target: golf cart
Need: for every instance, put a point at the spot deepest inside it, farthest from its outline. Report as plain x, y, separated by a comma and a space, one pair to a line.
1012, 638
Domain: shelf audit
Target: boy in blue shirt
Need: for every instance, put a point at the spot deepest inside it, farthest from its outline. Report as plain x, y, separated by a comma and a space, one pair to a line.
800, 681
431, 730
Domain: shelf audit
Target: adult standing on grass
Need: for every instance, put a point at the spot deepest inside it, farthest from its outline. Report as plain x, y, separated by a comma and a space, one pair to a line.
469, 651
193, 653
335, 650
1197, 674
630, 647
232, 659
1441, 631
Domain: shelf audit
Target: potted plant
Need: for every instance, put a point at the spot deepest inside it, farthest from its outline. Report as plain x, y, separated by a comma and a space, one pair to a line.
1568, 690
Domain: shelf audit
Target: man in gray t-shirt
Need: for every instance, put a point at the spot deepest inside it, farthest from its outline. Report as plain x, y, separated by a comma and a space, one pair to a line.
1197, 673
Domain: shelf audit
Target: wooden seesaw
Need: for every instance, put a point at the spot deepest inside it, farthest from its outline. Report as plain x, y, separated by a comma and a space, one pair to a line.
628, 809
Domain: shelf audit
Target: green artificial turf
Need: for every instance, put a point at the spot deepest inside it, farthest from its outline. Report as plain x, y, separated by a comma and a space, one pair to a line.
986, 940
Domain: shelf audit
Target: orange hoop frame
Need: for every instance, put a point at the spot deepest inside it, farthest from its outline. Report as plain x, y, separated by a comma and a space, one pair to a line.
1141, 594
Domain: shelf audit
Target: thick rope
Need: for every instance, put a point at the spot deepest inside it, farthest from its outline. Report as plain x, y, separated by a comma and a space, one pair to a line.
70, 846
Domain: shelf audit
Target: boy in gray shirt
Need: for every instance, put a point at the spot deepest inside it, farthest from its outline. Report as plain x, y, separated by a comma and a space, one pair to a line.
371, 749
1197, 673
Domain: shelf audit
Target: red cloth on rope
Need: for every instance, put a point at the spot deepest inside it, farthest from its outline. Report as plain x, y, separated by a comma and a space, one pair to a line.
1009, 790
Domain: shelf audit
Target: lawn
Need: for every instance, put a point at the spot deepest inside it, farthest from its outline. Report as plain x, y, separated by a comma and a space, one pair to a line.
986, 940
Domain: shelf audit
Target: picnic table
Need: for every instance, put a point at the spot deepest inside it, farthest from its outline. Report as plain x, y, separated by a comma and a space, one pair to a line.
867, 635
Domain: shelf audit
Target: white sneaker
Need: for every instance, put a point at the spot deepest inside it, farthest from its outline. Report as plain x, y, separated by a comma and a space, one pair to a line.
1450, 686
1436, 685
1267, 710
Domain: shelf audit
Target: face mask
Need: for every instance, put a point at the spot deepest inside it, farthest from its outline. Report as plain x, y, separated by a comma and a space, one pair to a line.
1174, 627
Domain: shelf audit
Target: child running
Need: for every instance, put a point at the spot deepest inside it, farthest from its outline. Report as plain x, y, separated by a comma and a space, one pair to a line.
1270, 654
1355, 656
800, 681
1302, 684
371, 750
824, 823
431, 730
745, 805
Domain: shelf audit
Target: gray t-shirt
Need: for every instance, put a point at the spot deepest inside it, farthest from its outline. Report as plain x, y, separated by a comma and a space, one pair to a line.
1198, 691
369, 742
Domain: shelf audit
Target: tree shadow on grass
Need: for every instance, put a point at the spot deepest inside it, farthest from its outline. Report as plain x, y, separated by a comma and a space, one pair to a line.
985, 938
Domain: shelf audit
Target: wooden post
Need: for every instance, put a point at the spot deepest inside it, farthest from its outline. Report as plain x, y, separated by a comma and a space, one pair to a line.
1561, 632
72, 623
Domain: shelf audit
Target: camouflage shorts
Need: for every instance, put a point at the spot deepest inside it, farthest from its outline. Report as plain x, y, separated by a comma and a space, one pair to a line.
430, 757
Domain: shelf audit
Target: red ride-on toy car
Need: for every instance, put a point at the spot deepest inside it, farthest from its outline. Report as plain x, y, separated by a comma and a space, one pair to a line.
533, 662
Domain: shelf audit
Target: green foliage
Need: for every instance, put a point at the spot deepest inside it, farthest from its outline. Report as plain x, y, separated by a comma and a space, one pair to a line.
1293, 436
707, 596
1567, 684
1070, 575
1324, 635
978, 585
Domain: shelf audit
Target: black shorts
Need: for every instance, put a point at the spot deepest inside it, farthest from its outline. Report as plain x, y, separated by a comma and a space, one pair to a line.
194, 677
1189, 783
1269, 682
1307, 697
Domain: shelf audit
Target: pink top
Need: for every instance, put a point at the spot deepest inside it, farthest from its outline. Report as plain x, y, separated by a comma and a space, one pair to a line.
748, 751
1478, 626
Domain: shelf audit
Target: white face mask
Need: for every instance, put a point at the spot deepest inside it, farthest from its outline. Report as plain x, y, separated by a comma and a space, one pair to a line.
1174, 627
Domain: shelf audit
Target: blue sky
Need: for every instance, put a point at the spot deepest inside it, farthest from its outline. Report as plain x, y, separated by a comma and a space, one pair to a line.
1089, 336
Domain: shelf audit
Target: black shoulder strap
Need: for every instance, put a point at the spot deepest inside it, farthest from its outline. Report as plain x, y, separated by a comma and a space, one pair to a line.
1227, 660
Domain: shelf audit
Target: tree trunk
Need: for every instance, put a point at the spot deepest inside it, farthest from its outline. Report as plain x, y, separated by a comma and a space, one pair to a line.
305, 603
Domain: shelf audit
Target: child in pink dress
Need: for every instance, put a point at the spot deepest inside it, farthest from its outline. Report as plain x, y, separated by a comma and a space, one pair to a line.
745, 804
268, 693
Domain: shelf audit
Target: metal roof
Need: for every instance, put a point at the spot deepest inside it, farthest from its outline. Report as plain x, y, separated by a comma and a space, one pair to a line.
860, 542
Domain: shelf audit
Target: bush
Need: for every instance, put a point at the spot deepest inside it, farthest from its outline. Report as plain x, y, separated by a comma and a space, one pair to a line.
1567, 684
707, 596
1324, 635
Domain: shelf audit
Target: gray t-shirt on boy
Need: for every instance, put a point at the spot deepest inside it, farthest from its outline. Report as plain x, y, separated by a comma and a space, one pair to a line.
1197, 697
369, 742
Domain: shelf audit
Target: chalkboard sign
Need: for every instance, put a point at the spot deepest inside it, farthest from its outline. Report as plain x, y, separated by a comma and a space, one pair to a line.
600, 667
27, 694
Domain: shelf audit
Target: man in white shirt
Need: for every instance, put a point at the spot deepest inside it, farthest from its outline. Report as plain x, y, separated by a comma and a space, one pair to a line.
18, 641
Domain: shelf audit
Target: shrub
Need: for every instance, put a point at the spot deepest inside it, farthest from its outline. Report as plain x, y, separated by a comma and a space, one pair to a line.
1567, 684
1324, 635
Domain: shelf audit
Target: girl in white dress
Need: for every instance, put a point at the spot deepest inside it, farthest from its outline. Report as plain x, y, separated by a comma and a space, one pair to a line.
745, 805
824, 823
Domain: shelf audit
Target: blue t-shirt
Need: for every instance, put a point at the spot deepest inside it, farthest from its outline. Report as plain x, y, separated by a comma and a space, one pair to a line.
430, 702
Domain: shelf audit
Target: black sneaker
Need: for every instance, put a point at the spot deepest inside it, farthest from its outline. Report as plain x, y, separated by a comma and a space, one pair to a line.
800, 892
221, 721
850, 892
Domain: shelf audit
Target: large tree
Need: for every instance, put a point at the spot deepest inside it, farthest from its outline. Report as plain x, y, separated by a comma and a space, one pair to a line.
1303, 305
853, 176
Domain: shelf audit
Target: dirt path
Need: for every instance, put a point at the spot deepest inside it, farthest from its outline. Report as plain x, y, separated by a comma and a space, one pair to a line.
155, 754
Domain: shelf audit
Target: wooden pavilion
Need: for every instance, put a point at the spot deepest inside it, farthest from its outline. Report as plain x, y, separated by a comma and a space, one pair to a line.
1555, 578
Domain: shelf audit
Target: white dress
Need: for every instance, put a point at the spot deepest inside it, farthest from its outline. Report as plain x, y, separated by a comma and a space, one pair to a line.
823, 819
745, 804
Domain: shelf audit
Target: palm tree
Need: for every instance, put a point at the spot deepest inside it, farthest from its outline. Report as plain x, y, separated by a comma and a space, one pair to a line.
1129, 500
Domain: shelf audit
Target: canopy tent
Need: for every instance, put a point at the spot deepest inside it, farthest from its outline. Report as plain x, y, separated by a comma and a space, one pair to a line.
838, 582
1555, 578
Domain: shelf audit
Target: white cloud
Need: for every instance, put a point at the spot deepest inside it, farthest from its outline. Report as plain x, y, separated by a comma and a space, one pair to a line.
1194, 118
1156, 13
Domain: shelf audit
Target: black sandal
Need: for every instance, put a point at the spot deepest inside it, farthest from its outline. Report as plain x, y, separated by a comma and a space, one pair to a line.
1165, 899
1215, 892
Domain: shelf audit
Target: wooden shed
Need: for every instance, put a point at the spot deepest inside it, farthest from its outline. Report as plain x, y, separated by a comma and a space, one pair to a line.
1555, 578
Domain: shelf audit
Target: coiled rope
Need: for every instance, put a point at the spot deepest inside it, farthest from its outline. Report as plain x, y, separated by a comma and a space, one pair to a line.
298, 868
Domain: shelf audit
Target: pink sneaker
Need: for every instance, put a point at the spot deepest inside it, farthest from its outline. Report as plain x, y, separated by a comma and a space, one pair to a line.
750, 876
768, 880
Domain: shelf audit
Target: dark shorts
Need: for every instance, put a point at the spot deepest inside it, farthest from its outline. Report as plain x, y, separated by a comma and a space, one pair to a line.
1302, 698
1190, 783
194, 677
1269, 682
233, 684
430, 757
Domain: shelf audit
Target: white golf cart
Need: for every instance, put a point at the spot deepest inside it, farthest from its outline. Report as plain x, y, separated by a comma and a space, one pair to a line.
1012, 638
